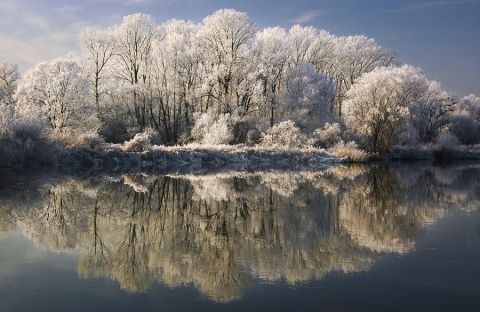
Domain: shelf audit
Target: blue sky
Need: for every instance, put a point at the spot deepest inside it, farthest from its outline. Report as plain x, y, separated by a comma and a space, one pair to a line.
441, 36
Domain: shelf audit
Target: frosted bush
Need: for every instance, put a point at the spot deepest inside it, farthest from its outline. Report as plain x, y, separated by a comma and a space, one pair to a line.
219, 132
26, 141
140, 143
202, 123
213, 130
349, 151
91, 140
327, 136
284, 134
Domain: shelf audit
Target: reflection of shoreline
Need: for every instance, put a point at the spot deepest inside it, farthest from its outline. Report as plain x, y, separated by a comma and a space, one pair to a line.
218, 232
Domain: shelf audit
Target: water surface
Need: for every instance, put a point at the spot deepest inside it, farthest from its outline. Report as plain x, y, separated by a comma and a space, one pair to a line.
376, 238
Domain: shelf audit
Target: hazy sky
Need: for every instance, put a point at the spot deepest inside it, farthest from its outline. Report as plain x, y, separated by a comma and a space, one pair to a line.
441, 36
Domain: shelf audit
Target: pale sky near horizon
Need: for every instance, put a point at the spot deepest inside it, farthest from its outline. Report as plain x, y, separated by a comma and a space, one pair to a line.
440, 36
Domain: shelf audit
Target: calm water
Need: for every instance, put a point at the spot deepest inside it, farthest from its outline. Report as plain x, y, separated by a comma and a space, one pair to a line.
373, 238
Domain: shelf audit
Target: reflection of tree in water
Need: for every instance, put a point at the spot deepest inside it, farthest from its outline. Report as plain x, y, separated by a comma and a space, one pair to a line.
380, 214
218, 232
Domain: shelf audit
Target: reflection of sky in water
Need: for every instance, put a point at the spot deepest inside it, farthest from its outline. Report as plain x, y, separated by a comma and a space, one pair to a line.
244, 240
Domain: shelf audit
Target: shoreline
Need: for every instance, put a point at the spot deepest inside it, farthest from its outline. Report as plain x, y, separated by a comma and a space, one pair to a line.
198, 158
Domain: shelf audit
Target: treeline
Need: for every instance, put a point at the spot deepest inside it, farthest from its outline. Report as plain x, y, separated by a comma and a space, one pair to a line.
223, 81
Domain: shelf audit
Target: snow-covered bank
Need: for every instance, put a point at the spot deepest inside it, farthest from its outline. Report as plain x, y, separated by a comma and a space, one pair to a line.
200, 157
196, 157
192, 158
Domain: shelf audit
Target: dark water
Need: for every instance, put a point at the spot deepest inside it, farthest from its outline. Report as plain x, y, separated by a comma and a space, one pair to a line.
401, 238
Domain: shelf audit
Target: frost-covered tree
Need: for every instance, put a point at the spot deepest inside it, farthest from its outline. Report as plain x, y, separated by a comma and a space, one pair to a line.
133, 43
99, 46
174, 78
378, 104
272, 60
464, 120
307, 97
8, 82
310, 45
224, 40
470, 105
180, 81
8, 85
429, 112
58, 93
355, 56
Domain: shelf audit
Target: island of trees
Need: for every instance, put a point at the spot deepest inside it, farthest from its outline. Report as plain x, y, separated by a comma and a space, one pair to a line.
141, 85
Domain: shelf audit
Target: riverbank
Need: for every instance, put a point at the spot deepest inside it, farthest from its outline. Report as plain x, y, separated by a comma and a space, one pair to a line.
163, 159
196, 157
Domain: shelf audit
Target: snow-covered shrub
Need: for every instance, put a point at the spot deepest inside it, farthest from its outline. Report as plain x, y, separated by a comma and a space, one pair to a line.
349, 151
327, 136
140, 143
446, 139
202, 123
248, 129
219, 132
90, 140
24, 142
284, 134
209, 129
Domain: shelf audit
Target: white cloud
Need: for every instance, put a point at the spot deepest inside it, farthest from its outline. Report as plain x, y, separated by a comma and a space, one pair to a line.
307, 17
420, 6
